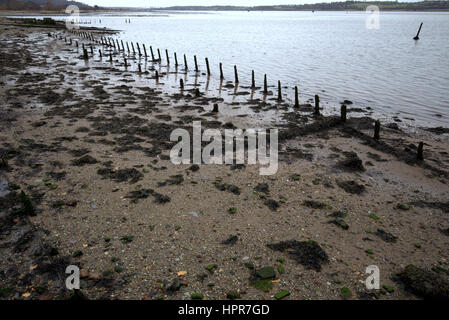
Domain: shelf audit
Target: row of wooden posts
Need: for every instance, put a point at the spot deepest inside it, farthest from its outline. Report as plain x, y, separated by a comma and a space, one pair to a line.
109, 42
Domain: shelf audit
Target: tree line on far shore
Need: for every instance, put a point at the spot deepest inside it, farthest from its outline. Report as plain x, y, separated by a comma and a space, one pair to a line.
60, 5
41, 5
332, 6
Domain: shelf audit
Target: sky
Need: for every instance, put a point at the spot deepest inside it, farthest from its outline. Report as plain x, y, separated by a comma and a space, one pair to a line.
168, 3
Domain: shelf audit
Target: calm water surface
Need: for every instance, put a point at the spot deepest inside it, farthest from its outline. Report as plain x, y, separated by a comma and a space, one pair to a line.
331, 54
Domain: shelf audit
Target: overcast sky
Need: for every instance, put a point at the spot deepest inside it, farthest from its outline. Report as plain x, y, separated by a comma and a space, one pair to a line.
168, 3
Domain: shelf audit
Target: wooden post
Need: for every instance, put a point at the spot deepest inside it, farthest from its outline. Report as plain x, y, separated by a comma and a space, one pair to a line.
132, 46
221, 72
86, 56
123, 47
185, 62
157, 76
145, 51
265, 84
296, 97
420, 154
279, 91
76, 42
236, 75
127, 46
197, 92
215, 110
343, 112
138, 49
118, 44
126, 64
166, 55
419, 30
317, 104
196, 64
152, 54
159, 55
140, 68
176, 60
110, 57
181, 84
207, 67
91, 50
99, 52
253, 80
377, 130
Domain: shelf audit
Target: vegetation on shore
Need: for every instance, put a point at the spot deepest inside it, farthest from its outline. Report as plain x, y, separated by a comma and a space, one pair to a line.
333, 6
60, 5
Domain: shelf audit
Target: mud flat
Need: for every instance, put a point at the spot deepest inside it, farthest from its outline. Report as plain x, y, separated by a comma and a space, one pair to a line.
86, 180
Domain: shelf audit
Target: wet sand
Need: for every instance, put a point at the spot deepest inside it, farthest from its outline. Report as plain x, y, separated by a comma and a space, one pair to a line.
88, 144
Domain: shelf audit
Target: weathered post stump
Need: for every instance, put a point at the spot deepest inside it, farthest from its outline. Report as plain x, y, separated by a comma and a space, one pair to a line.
317, 105
420, 153
343, 112
377, 130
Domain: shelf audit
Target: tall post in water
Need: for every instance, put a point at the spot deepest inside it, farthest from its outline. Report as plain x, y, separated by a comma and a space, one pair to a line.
91, 50
279, 91
236, 75
132, 46
159, 55
176, 60
140, 68
118, 44
99, 52
110, 57
253, 80
152, 54
317, 105
185, 62
296, 97
181, 84
221, 72
419, 30
126, 63
123, 47
127, 47
196, 64
166, 55
85, 55
265, 84
138, 49
145, 51
207, 67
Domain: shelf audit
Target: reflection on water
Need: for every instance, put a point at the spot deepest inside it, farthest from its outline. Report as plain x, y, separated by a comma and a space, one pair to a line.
327, 53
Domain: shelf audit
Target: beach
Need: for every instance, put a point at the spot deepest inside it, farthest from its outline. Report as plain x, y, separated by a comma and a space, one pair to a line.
87, 180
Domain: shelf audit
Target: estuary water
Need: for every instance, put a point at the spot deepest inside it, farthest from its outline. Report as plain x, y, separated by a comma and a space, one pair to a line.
332, 54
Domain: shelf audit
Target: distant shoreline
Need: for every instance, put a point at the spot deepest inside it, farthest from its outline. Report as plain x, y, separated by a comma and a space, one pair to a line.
156, 11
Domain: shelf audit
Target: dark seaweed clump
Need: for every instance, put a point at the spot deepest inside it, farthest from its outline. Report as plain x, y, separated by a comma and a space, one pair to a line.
424, 283
176, 179
385, 236
132, 175
262, 187
272, 204
145, 193
351, 163
227, 187
84, 160
307, 253
351, 186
